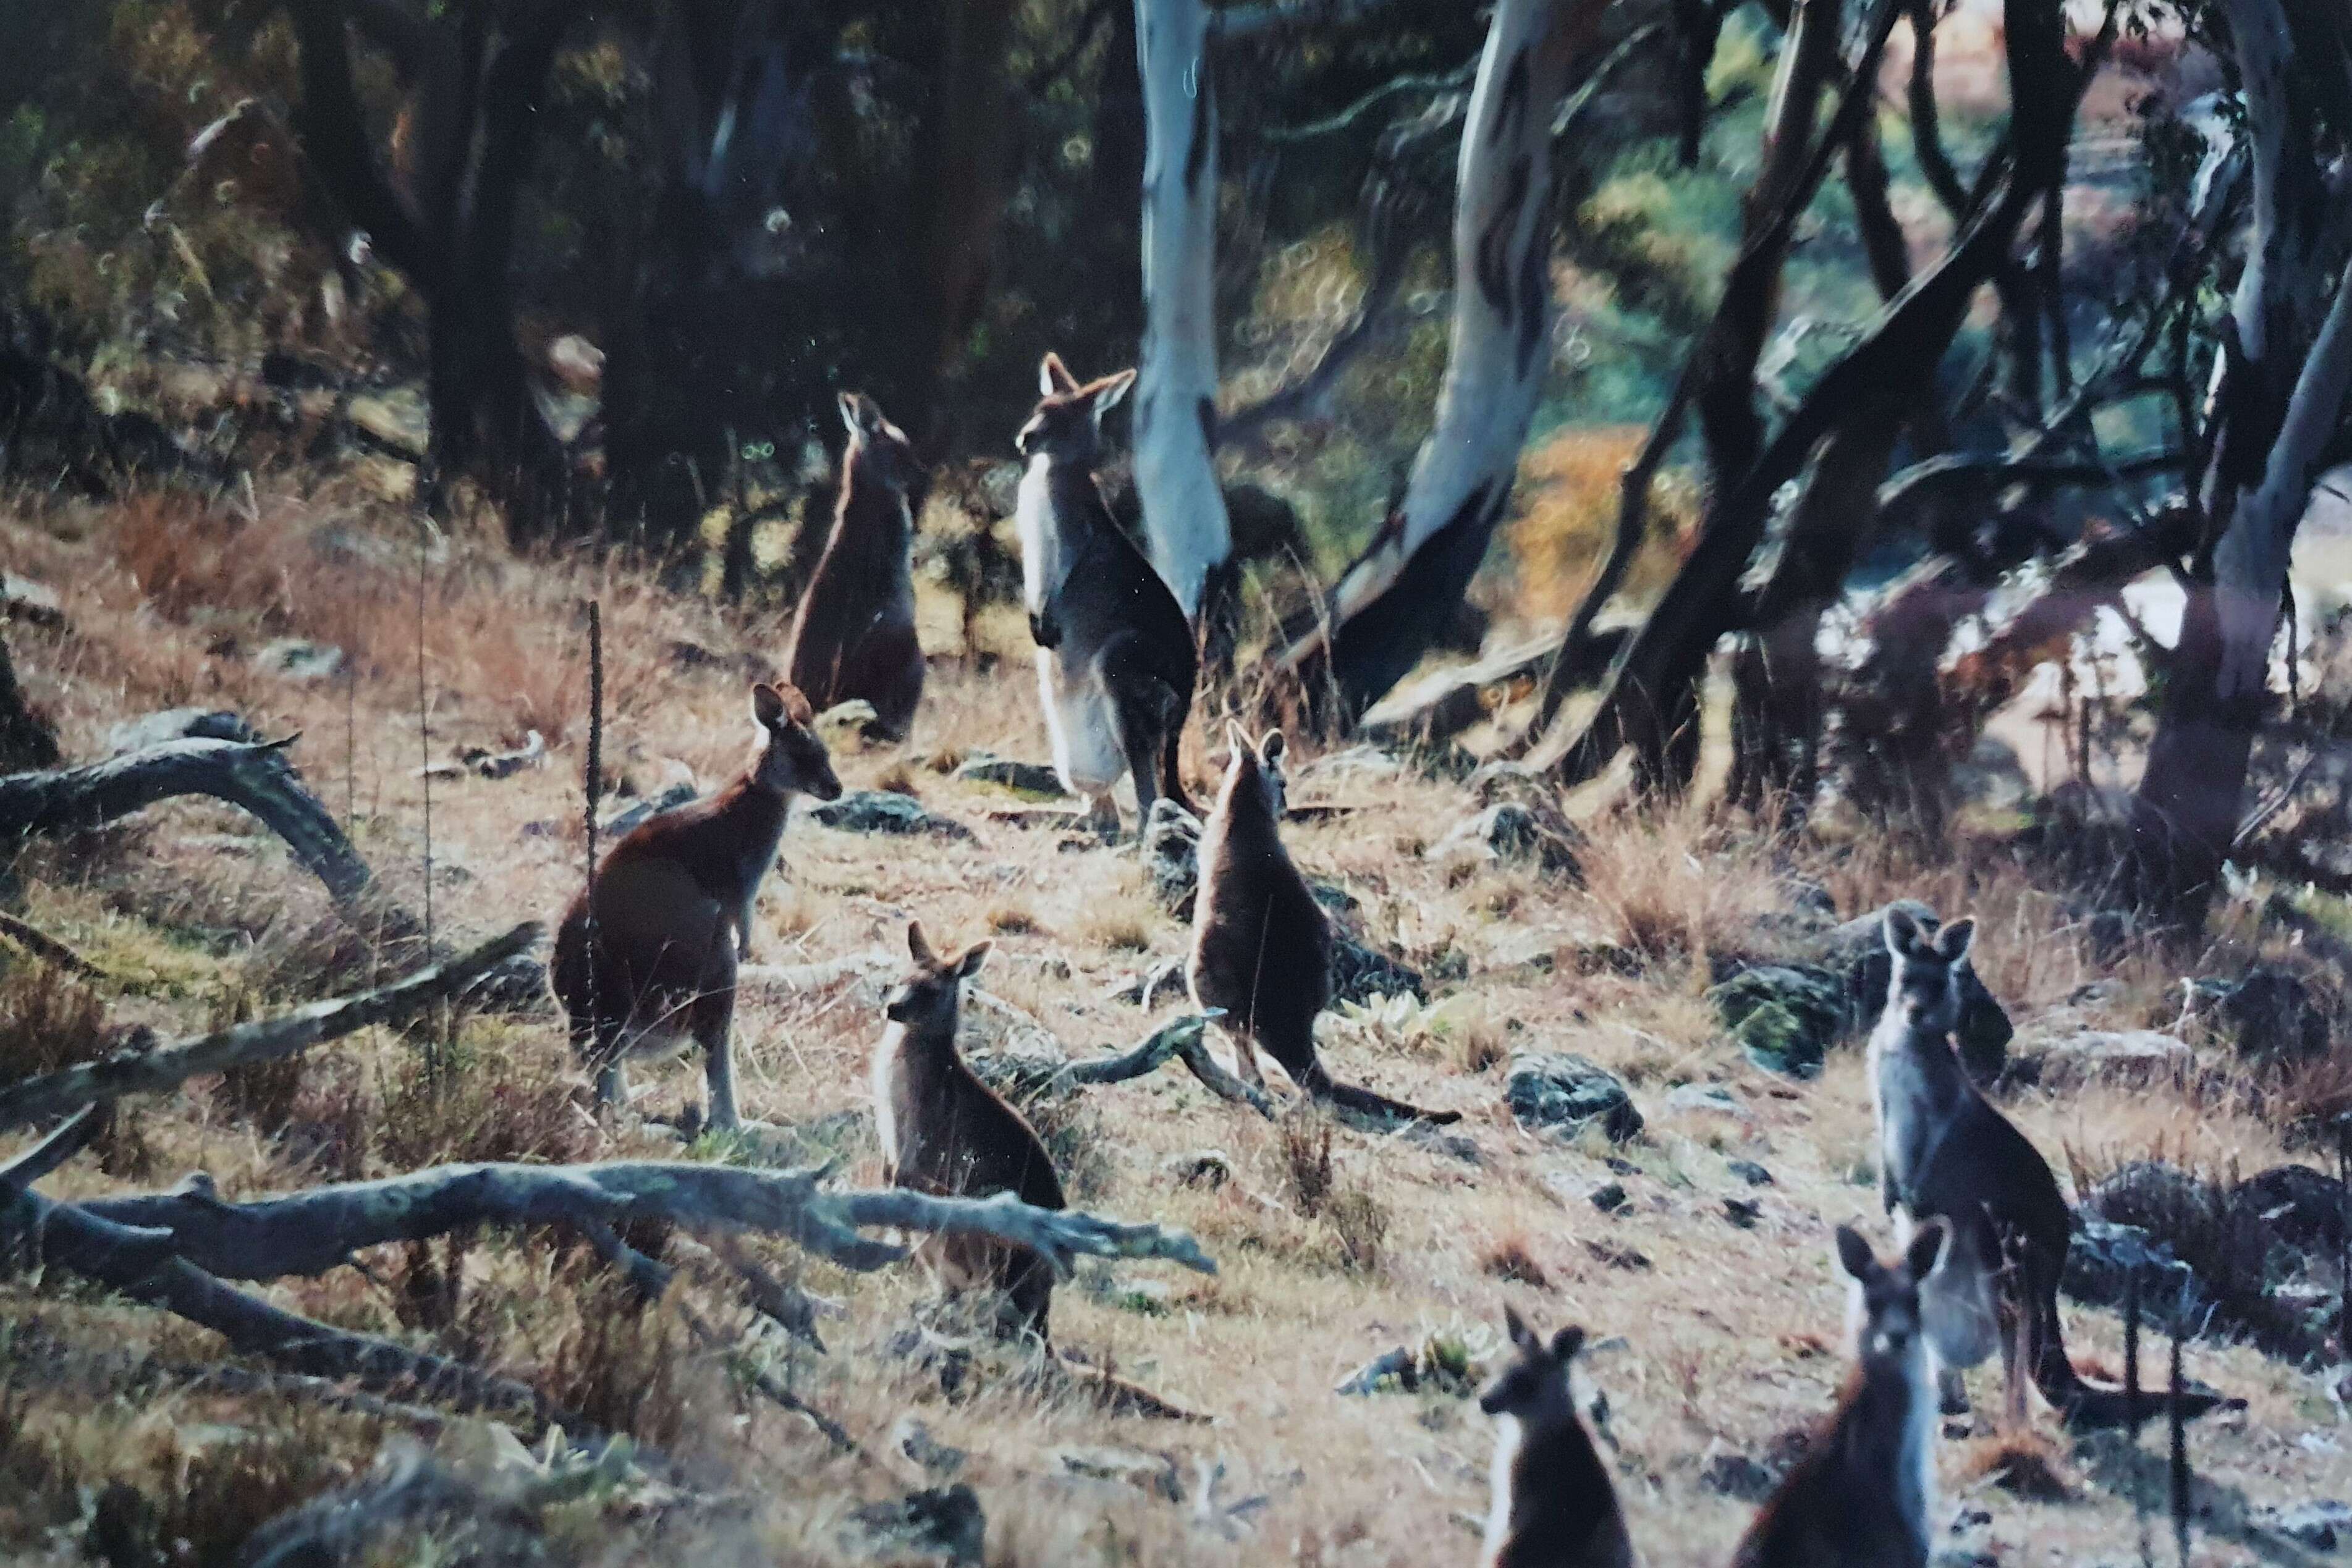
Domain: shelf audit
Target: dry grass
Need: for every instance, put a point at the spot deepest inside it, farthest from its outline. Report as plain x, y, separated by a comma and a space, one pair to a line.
1566, 515
48, 1022
2026, 1463
1332, 1245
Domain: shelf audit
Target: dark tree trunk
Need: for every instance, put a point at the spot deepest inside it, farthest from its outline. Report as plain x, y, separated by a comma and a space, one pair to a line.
452, 235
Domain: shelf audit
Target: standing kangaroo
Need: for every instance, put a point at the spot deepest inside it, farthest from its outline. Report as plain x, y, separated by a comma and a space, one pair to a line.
673, 911
855, 635
1116, 661
1261, 945
1554, 1505
1944, 1153
944, 1131
1865, 1494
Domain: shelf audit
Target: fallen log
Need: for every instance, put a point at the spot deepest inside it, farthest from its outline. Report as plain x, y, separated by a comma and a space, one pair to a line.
153, 1070
314, 1230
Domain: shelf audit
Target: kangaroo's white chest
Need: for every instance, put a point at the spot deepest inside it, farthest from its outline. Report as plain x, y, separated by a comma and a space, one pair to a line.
1508, 1435
1914, 1469
1085, 731
1041, 545
884, 1074
1908, 1114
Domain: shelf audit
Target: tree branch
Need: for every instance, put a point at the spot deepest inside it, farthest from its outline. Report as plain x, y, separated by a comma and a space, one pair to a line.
314, 1230
266, 1040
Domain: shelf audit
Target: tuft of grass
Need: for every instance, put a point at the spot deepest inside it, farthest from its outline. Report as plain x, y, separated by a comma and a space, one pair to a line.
48, 1022
1303, 1144
498, 1102
622, 1365
1011, 920
1510, 1258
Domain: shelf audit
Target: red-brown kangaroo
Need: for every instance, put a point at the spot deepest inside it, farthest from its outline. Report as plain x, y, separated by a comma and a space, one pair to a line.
1115, 660
944, 1131
1865, 1494
1554, 1505
673, 911
855, 635
1945, 1152
1261, 945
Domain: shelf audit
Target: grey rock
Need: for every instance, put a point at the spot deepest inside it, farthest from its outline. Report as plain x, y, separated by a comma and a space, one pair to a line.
1610, 1196
1359, 973
1749, 1171
1743, 1212
1153, 1474
2321, 1526
2119, 1058
881, 811
299, 659
1560, 1090
1785, 1017
637, 812
942, 1524
914, 1440
2271, 1015
1171, 856
1026, 778
1711, 1099
1511, 833
29, 602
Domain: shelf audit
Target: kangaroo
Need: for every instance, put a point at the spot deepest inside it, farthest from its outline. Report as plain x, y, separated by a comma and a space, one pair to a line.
1555, 1506
1943, 1152
1115, 660
1865, 1494
673, 911
944, 1131
1261, 945
855, 635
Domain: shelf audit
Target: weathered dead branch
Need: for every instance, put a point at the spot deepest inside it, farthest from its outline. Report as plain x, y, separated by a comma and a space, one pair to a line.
316, 1229
265, 1040
1185, 1040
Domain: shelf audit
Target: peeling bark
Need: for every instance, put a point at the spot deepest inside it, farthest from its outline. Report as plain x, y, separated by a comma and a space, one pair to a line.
1184, 520
1393, 603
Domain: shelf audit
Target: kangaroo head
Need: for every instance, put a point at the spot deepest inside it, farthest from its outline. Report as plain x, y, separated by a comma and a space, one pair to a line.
878, 450
1534, 1386
792, 758
1923, 980
1254, 772
932, 992
1067, 425
1883, 1299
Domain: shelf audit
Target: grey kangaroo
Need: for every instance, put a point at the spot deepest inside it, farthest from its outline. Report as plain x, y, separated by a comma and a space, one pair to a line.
855, 636
1554, 1505
673, 911
1115, 660
1865, 1494
1943, 1152
1261, 945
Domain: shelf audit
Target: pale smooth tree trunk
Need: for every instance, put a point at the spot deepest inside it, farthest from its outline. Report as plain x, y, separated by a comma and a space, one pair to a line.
2278, 396
1396, 598
1184, 521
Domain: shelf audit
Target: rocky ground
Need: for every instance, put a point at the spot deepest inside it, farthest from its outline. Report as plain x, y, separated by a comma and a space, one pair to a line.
1651, 1026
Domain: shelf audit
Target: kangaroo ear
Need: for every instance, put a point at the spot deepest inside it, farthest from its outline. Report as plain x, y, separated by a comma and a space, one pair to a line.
767, 705
975, 957
1270, 749
918, 947
1516, 1327
1054, 377
1926, 1249
1954, 940
1237, 738
1566, 1343
1902, 931
1107, 391
1854, 1255
796, 704
861, 413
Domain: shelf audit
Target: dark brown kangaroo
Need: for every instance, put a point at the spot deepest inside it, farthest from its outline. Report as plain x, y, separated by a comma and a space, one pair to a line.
854, 637
673, 911
1554, 1505
944, 1131
1865, 1494
1261, 945
1943, 1152
1115, 660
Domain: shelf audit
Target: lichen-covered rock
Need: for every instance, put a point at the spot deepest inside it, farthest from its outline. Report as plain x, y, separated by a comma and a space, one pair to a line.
1359, 973
1037, 779
1512, 834
2269, 1014
881, 811
2135, 1058
941, 1524
1171, 856
1562, 1091
1784, 1017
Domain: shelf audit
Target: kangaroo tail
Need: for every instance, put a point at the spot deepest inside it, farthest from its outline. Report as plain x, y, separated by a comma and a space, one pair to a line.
1172, 778
2085, 1406
1117, 1396
1323, 1086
